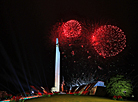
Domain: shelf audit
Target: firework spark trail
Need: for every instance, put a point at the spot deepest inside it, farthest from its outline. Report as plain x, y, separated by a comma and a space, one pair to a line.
100, 68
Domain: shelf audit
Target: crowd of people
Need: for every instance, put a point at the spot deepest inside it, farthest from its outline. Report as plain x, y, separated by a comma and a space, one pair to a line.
4, 95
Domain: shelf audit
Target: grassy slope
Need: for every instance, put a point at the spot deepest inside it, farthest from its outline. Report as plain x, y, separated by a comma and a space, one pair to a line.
73, 98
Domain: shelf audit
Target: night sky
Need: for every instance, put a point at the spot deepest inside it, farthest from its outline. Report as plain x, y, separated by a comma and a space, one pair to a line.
27, 41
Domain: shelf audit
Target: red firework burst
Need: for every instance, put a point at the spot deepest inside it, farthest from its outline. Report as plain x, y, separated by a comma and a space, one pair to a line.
67, 32
72, 28
108, 40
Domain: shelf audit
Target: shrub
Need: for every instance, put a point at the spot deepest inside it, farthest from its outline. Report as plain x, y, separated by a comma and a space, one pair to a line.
71, 93
48, 95
27, 93
120, 98
6, 96
9, 95
12, 101
79, 94
118, 85
76, 93
44, 95
56, 93
114, 97
15, 99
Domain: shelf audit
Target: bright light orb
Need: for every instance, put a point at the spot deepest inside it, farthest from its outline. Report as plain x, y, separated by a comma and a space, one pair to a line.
108, 40
72, 28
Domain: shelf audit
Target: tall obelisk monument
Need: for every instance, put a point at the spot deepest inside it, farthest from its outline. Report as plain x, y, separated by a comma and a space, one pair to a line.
57, 69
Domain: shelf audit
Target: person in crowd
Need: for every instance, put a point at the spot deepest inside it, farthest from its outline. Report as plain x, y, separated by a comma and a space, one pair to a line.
45, 92
32, 92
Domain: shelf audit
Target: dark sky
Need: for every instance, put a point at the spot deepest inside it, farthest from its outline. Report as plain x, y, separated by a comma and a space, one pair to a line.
27, 50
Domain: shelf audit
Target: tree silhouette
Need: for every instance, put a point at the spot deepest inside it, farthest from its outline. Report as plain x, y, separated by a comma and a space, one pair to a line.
118, 85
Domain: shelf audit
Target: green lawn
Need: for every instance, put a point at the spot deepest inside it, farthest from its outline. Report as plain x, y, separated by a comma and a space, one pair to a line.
73, 98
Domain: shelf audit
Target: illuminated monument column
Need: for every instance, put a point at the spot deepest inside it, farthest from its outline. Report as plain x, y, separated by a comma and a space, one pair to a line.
57, 69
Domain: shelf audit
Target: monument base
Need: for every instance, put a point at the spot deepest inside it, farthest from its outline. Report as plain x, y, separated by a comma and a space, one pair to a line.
55, 89
62, 92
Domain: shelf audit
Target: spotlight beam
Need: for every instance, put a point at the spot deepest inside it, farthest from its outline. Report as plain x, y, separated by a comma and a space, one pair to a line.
10, 79
19, 57
9, 65
7, 88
